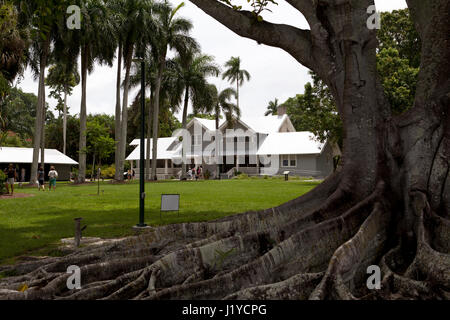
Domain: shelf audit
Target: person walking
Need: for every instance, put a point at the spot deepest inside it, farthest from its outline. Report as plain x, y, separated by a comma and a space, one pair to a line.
52, 175
41, 177
11, 177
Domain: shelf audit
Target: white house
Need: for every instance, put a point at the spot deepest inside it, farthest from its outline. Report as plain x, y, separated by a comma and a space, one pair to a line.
257, 146
23, 158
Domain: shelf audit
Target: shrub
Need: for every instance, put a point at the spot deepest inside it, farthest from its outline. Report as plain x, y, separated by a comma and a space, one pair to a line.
2, 183
108, 172
207, 174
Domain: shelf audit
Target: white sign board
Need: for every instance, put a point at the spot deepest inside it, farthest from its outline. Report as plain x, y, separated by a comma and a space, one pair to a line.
170, 202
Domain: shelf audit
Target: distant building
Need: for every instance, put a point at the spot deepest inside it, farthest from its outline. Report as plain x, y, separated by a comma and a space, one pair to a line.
22, 158
253, 141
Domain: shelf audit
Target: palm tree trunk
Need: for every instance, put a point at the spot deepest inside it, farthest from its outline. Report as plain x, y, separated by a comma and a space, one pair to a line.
65, 121
217, 144
237, 91
43, 130
83, 116
124, 126
156, 117
149, 132
118, 129
38, 124
184, 120
93, 167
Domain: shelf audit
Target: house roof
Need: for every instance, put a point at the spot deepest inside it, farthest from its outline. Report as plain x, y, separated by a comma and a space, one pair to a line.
290, 143
25, 155
265, 124
163, 146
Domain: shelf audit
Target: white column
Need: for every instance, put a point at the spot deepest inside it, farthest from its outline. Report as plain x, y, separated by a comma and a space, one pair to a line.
166, 167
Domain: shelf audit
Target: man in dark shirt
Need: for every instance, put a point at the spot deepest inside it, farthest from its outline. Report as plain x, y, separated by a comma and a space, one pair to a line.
11, 177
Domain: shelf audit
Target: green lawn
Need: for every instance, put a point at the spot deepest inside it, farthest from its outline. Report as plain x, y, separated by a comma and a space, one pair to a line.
27, 224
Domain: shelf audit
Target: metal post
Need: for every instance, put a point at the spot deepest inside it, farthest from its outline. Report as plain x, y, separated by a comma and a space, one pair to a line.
142, 160
77, 237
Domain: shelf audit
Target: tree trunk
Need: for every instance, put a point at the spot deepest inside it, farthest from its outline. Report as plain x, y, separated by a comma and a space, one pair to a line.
124, 127
184, 123
387, 205
149, 132
83, 116
217, 144
118, 123
38, 124
65, 121
44, 111
237, 91
156, 118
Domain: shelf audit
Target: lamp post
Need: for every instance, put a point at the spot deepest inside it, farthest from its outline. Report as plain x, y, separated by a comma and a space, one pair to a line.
142, 157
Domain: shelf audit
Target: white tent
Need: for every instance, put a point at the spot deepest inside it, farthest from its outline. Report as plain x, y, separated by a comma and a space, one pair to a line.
25, 155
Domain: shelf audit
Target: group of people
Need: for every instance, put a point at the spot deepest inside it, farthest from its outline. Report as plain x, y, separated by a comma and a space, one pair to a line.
52, 176
12, 177
195, 173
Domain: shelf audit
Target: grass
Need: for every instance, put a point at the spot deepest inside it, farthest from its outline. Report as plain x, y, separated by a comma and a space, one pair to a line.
31, 225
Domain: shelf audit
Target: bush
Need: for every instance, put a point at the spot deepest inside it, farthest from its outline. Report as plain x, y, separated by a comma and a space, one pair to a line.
2, 183
242, 176
108, 172
207, 174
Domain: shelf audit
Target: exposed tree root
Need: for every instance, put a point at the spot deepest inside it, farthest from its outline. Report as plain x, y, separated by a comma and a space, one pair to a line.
317, 251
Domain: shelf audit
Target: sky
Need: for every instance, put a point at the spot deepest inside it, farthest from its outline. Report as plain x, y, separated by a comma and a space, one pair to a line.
274, 73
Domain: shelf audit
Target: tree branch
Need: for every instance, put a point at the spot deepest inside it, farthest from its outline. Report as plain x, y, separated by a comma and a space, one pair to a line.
296, 42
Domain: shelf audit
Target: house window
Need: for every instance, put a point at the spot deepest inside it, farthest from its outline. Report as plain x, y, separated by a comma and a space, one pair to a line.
196, 139
289, 160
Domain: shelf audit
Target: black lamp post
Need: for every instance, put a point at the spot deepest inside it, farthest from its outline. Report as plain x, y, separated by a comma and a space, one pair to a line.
142, 157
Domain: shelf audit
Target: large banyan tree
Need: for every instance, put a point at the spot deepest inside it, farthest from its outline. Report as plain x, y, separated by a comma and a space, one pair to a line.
387, 205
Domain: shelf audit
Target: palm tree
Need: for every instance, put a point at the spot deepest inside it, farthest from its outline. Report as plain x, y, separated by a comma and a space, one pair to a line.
216, 103
62, 77
171, 33
272, 108
117, 16
235, 74
193, 69
95, 46
44, 28
137, 27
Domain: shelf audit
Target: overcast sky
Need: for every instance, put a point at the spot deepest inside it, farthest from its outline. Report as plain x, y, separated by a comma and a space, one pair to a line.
274, 73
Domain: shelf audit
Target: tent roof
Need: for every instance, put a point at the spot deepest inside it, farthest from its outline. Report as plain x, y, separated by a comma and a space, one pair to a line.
290, 143
25, 155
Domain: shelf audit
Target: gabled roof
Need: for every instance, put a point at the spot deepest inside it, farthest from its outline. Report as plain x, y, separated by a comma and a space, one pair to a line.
290, 143
205, 123
163, 146
25, 155
265, 124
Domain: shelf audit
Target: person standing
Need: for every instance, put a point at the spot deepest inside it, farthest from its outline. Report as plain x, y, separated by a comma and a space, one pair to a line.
11, 177
52, 175
41, 177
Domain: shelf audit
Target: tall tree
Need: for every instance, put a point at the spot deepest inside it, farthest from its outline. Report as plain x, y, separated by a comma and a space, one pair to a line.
137, 28
62, 78
46, 21
388, 205
193, 70
171, 33
94, 47
234, 73
272, 108
118, 19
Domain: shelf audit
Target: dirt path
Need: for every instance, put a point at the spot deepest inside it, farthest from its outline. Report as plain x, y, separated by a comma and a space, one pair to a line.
16, 195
